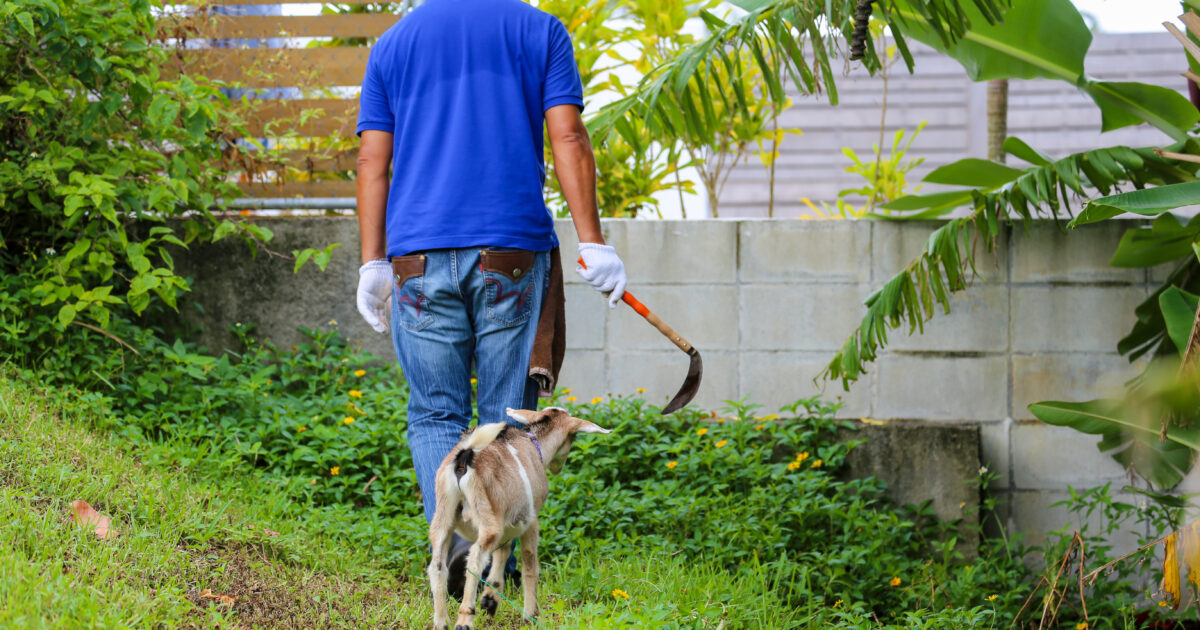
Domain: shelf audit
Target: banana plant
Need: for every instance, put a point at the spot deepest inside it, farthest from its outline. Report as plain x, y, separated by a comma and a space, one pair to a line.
1154, 429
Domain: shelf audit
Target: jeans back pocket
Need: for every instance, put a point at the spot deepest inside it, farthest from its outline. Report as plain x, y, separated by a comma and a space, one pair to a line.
508, 276
412, 306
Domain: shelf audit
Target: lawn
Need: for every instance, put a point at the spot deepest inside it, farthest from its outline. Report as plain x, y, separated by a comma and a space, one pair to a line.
186, 540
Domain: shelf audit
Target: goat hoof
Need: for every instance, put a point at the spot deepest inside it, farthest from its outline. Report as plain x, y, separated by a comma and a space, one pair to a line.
489, 604
463, 627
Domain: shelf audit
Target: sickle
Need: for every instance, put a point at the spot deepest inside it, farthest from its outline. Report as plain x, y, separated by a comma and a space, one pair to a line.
691, 383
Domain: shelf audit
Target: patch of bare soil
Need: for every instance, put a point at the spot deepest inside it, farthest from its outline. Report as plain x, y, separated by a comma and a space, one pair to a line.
266, 592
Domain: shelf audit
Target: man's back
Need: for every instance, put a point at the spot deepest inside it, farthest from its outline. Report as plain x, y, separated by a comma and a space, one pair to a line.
463, 85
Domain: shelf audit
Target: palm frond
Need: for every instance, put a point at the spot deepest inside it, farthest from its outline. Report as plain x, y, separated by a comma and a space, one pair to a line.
788, 39
947, 263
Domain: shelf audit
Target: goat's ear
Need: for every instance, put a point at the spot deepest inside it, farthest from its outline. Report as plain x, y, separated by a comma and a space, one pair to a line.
524, 416
590, 427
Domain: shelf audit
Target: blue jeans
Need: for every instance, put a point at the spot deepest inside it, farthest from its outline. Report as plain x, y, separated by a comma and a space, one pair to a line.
454, 316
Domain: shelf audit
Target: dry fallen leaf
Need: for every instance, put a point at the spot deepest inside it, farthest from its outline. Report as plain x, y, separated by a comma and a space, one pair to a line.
224, 600
83, 514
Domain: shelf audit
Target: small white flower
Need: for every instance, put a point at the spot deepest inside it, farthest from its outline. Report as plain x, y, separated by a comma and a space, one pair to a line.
983, 470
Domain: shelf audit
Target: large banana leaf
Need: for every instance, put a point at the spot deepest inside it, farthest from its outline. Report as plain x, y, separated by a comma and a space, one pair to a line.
1124, 104
1166, 240
1131, 439
1179, 312
1147, 202
1048, 39
1038, 39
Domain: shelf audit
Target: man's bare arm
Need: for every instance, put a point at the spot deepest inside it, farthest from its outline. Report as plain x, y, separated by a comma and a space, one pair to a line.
575, 167
374, 159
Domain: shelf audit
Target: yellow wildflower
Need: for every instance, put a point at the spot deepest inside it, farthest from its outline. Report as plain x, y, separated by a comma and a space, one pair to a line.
1163, 604
348, 420
701, 431
1082, 625
301, 429
837, 603
567, 390
991, 598
571, 399
354, 393
818, 463
619, 594
722, 443
895, 581
335, 470
720, 420
801, 456
793, 465
597, 399
360, 372
672, 464
760, 427
474, 381
640, 390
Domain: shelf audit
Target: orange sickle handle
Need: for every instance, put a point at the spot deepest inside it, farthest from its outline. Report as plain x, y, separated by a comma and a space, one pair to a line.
641, 309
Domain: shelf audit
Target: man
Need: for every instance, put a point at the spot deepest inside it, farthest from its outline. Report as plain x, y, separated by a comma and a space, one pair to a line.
454, 99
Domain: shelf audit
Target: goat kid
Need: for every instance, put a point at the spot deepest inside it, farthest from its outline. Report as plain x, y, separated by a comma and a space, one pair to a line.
490, 488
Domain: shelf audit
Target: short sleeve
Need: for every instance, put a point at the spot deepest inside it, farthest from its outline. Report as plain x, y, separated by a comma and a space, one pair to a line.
374, 111
563, 84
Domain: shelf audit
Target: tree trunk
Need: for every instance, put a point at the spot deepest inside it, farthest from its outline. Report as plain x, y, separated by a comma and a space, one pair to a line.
997, 118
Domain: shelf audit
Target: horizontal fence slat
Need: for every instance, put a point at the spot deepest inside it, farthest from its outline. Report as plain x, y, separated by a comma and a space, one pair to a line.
310, 161
274, 26
330, 188
278, 67
327, 117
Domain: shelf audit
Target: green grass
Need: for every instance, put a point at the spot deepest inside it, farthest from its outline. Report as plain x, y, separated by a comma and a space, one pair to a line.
181, 534
187, 531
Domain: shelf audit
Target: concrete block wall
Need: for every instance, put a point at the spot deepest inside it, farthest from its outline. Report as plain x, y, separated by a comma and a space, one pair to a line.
768, 303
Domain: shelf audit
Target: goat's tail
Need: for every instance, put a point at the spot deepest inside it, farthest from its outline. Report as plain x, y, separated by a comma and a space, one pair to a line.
482, 436
475, 441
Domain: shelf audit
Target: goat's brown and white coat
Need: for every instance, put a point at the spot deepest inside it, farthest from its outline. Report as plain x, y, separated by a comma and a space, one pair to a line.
490, 488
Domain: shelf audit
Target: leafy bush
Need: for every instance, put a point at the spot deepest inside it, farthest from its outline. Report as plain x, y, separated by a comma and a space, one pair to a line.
100, 144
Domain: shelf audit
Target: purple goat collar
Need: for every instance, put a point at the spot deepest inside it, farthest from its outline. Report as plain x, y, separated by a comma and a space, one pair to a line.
535, 443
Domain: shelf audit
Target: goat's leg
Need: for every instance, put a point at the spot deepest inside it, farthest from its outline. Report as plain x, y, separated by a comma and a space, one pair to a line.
441, 532
529, 569
495, 578
479, 553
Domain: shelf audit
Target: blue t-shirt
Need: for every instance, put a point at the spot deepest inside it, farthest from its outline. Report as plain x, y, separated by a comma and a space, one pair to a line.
464, 86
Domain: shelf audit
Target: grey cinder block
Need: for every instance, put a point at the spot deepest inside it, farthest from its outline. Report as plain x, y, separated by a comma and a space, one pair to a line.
1071, 377
1049, 253
774, 379
1047, 457
1073, 318
804, 251
942, 388
704, 315
661, 373
799, 316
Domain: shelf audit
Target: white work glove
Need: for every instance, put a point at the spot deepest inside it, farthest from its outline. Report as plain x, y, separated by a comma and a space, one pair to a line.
603, 269
374, 289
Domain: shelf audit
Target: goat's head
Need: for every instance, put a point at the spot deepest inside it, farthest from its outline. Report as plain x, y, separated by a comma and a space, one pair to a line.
556, 429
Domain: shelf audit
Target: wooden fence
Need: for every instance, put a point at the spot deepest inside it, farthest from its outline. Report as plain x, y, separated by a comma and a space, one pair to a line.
296, 79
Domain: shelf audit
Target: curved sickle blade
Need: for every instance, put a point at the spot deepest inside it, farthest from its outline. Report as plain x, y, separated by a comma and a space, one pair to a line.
691, 384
